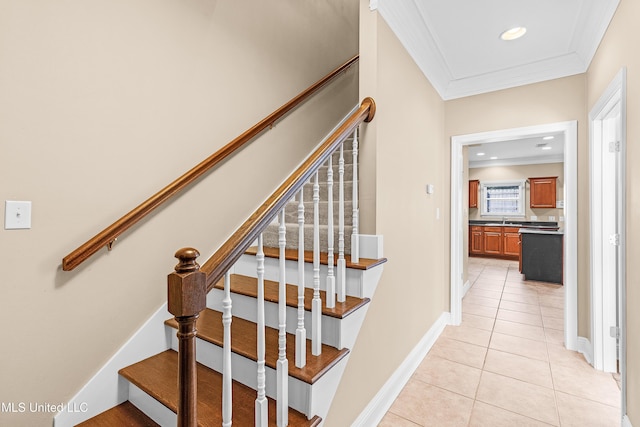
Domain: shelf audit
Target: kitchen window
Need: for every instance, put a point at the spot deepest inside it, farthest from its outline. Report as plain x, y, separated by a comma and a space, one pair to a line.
502, 198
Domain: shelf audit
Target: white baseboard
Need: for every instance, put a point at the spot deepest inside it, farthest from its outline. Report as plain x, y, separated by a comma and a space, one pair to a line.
465, 288
626, 422
380, 404
106, 389
585, 347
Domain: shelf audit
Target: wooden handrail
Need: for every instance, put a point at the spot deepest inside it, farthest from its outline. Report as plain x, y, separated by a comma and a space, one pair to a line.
246, 234
107, 236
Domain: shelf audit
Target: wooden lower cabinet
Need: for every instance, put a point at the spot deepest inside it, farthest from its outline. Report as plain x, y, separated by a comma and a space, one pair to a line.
475, 240
511, 241
499, 242
492, 240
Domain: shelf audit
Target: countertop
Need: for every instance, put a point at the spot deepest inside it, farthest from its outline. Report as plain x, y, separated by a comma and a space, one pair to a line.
540, 231
526, 225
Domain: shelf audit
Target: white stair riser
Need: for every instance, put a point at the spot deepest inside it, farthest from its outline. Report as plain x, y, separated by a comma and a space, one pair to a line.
339, 333
360, 283
150, 406
245, 371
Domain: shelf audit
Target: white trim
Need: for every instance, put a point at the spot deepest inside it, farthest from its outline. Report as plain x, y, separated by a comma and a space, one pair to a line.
465, 288
586, 349
615, 93
382, 401
626, 422
570, 212
106, 389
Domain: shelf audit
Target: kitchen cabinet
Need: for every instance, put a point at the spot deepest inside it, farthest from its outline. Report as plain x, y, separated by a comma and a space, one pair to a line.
475, 240
542, 192
492, 240
511, 241
473, 193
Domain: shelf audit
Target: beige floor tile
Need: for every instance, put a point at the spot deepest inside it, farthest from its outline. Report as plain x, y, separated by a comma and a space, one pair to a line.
458, 351
525, 298
558, 313
519, 330
449, 375
530, 400
519, 289
554, 336
559, 355
393, 420
485, 415
480, 322
578, 412
551, 301
520, 346
427, 405
467, 334
519, 367
586, 383
487, 302
553, 323
484, 293
521, 307
518, 317
490, 285
479, 310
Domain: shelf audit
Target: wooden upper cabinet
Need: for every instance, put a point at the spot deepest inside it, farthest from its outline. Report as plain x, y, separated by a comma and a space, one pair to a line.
473, 193
542, 192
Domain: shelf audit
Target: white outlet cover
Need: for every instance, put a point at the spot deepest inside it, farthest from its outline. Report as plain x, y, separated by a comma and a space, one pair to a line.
17, 215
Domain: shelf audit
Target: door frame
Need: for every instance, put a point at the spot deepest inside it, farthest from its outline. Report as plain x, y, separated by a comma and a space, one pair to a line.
601, 306
570, 131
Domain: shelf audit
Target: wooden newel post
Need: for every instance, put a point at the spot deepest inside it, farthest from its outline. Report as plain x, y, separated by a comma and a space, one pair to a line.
186, 299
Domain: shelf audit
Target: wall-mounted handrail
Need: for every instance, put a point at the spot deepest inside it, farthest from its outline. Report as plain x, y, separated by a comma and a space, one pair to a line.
247, 233
107, 236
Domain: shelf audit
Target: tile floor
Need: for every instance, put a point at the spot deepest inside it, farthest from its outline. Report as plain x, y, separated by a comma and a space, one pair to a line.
505, 365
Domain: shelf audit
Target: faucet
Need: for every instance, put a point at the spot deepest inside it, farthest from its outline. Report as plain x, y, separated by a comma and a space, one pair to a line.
504, 220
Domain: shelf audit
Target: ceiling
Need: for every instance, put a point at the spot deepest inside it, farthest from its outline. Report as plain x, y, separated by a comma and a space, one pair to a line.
524, 151
456, 43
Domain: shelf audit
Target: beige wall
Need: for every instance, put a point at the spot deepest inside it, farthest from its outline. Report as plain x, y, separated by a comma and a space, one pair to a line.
103, 103
619, 49
541, 103
409, 145
518, 172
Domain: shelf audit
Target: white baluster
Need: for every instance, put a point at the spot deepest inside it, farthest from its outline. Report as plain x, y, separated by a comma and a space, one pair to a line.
226, 357
342, 264
316, 303
355, 246
331, 280
301, 333
261, 407
282, 366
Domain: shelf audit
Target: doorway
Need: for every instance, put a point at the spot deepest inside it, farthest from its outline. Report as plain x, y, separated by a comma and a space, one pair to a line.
569, 129
608, 265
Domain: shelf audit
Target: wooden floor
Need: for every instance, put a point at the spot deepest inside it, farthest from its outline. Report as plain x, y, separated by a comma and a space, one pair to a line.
244, 342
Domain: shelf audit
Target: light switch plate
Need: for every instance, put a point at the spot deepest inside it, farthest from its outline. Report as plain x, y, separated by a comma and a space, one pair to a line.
17, 215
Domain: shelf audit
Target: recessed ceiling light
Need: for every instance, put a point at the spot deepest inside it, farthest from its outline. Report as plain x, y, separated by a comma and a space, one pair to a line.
513, 33
547, 138
546, 148
479, 154
494, 158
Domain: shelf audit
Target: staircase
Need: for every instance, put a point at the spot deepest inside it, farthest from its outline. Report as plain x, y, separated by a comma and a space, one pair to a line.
147, 392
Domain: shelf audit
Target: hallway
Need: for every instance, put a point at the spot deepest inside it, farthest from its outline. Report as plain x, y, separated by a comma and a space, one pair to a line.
505, 365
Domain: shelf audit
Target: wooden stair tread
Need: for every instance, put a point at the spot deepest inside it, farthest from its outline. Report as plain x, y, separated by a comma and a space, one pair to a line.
244, 342
292, 255
248, 286
158, 376
125, 414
